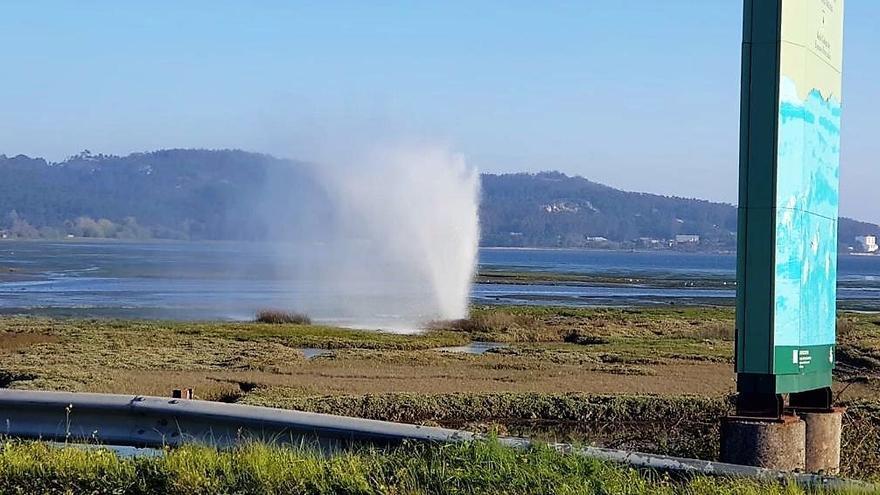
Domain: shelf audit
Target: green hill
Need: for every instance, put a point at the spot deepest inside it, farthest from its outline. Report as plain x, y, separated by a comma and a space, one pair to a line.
236, 195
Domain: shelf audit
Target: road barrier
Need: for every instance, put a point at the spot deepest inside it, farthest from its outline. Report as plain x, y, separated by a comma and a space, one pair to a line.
140, 421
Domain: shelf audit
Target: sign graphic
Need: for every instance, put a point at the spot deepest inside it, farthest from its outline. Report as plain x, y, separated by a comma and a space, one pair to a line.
789, 174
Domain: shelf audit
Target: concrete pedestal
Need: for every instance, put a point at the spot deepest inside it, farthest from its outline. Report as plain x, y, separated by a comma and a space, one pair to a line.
772, 444
823, 440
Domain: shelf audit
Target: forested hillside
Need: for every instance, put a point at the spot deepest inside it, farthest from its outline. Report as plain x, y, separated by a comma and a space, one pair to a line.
178, 194
551, 208
236, 195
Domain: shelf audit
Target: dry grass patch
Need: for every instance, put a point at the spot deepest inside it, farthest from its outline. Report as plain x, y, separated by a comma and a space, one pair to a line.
591, 325
13, 341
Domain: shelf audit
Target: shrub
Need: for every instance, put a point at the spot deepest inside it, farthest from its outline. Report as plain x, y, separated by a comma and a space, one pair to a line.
277, 316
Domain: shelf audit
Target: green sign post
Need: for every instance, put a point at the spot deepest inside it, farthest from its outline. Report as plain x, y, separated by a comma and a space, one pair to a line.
788, 199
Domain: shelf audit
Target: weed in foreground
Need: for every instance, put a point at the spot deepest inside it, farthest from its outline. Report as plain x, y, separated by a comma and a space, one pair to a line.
478, 468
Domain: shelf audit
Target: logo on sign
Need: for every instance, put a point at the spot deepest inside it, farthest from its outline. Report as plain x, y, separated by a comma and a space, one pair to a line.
801, 357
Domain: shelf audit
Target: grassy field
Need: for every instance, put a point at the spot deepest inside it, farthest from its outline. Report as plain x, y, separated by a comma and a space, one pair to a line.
646, 351
649, 379
561, 351
475, 468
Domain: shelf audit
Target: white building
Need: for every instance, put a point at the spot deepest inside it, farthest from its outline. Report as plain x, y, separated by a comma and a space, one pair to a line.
867, 243
687, 239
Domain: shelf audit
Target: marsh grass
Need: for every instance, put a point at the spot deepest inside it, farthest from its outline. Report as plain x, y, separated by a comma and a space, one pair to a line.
558, 352
712, 330
551, 349
476, 468
153, 357
556, 324
686, 426
682, 426
502, 326
858, 339
281, 317
416, 408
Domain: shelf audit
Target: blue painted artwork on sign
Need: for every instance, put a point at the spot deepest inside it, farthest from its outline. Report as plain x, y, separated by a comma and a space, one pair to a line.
808, 157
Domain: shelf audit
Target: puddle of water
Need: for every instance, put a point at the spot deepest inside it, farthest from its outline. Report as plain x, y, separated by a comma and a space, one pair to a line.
313, 352
475, 348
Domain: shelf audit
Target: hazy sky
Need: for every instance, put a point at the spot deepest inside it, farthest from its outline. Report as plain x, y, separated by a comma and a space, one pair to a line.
642, 95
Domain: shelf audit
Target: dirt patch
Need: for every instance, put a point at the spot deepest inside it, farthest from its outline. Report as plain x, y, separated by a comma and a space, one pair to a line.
13, 341
363, 375
219, 386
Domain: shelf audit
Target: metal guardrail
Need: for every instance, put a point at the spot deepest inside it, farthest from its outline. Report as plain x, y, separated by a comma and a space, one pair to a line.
139, 421
712, 468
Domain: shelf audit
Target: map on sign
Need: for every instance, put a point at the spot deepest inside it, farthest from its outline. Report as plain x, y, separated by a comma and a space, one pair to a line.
808, 159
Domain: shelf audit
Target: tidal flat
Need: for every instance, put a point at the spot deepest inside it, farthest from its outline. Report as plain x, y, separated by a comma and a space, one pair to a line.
651, 379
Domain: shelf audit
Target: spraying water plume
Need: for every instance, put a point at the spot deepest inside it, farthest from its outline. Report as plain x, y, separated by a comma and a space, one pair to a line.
395, 245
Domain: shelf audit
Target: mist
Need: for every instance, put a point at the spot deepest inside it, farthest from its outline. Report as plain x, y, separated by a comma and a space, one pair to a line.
383, 238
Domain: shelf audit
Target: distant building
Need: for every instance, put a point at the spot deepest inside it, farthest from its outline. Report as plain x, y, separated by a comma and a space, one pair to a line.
648, 242
596, 241
867, 243
687, 239
562, 207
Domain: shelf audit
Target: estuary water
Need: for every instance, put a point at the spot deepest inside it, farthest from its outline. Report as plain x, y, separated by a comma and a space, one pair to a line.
230, 281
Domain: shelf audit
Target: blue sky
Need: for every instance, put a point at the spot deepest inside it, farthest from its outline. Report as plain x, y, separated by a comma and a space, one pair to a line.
641, 95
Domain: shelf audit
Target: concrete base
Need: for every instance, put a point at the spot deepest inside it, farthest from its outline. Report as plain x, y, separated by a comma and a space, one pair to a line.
779, 444
823, 440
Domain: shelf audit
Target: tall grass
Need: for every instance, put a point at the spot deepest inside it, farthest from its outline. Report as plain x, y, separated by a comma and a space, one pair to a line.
685, 426
282, 317
473, 468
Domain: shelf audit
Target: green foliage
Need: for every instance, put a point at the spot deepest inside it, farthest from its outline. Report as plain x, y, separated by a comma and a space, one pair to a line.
685, 426
416, 408
474, 468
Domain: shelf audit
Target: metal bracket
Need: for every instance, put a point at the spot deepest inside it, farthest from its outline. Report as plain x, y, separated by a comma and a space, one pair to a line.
758, 405
818, 400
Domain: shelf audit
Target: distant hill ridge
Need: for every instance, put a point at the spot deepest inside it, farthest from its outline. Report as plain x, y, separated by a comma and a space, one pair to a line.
210, 194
